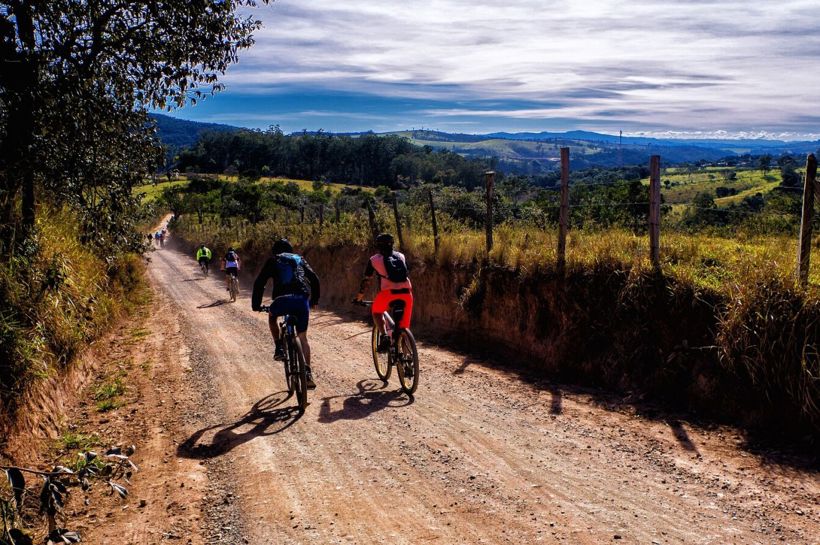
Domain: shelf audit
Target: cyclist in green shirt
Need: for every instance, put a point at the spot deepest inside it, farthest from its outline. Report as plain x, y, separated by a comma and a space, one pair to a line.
203, 256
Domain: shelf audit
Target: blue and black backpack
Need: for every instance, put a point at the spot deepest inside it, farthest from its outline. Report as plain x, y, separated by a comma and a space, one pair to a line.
290, 276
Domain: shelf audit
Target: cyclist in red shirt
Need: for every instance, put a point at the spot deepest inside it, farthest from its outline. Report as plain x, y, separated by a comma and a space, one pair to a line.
394, 285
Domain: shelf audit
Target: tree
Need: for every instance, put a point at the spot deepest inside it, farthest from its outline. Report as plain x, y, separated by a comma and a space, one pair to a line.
764, 162
77, 78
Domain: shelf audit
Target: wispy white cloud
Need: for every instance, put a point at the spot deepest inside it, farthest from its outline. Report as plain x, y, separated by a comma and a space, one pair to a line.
653, 65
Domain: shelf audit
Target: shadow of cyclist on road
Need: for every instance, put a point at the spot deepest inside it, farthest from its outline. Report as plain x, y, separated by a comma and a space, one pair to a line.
370, 398
217, 303
265, 418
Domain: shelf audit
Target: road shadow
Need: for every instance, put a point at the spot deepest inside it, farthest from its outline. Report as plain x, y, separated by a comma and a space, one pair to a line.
366, 332
193, 279
326, 321
681, 435
557, 401
371, 397
217, 303
265, 418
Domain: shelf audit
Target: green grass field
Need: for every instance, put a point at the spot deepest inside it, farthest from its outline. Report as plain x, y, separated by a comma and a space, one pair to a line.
500, 147
150, 191
684, 186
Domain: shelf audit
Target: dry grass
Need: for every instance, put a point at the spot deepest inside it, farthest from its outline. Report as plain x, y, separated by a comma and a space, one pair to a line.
714, 262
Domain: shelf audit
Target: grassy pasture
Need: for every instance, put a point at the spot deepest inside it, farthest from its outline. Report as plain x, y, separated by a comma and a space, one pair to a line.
683, 186
151, 191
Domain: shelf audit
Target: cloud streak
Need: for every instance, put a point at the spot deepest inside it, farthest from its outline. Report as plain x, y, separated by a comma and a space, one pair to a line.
699, 66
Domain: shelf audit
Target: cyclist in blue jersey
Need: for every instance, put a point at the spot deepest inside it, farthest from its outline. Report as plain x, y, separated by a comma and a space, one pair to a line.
295, 290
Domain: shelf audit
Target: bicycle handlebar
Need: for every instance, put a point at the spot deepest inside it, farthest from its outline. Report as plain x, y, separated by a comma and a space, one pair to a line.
362, 303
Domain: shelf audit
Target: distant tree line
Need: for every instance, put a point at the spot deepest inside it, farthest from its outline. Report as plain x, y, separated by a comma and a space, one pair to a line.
368, 159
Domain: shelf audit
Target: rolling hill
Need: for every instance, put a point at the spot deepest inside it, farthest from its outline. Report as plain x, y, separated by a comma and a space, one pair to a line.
538, 152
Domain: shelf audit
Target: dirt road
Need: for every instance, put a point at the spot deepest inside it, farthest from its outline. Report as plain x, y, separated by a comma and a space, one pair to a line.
478, 456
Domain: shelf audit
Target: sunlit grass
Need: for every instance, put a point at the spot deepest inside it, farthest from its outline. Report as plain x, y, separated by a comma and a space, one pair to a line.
708, 261
683, 185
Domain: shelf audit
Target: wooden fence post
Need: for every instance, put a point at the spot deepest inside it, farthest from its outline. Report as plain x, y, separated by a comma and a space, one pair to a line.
563, 214
398, 221
488, 220
302, 213
371, 217
655, 210
338, 212
435, 225
321, 215
809, 194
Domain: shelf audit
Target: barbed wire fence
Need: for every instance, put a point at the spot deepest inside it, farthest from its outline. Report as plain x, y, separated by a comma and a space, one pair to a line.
375, 215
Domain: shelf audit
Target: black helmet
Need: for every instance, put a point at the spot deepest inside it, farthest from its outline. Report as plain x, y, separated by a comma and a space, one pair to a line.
282, 246
384, 242
230, 249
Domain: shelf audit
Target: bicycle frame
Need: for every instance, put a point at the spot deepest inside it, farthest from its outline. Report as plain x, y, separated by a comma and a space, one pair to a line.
401, 339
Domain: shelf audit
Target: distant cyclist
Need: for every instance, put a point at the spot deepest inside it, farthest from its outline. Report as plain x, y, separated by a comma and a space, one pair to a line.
203, 256
231, 266
295, 290
394, 285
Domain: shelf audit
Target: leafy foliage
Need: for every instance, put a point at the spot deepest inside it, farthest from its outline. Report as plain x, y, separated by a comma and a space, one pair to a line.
76, 81
115, 464
368, 159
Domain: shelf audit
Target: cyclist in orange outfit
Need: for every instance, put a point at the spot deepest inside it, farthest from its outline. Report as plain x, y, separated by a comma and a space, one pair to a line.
394, 285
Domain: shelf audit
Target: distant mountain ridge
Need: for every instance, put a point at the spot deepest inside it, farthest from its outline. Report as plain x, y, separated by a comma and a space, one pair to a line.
537, 152
719, 143
178, 133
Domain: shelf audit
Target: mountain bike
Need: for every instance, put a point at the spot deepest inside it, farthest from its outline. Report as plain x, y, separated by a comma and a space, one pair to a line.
233, 286
401, 354
295, 365
203, 265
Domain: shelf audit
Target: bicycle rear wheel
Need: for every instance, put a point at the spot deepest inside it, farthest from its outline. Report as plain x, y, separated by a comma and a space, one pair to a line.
408, 362
234, 286
380, 361
299, 366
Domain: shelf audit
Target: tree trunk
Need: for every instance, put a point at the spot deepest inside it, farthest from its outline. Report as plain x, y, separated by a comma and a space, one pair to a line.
19, 77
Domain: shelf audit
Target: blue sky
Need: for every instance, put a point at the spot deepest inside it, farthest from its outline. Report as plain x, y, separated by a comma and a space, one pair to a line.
689, 68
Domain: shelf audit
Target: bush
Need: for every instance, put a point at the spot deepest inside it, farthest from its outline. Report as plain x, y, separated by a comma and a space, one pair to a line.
768, 337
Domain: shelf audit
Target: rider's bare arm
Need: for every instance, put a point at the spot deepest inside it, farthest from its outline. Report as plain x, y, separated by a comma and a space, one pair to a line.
368, 276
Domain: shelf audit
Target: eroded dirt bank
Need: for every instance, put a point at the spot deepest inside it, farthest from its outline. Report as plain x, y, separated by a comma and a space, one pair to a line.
478, 457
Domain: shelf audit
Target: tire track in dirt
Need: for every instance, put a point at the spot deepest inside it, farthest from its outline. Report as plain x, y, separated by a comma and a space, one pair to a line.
477, 457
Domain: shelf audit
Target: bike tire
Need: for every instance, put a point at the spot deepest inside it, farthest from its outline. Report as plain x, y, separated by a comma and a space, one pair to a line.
234, 286
380, 361
290, 378
301, 375
408, 358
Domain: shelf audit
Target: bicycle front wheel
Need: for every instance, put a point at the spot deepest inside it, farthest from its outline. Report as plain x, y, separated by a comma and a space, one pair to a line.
300, 376
408, 362
380, 361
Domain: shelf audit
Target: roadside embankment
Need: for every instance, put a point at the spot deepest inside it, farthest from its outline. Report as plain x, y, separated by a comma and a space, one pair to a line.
57, 298
747, 357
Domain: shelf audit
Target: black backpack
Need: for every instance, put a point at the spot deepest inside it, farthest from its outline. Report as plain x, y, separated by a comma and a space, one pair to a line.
396, 268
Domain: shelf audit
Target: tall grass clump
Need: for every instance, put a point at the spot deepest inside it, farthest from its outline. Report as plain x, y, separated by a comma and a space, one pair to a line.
768, 337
